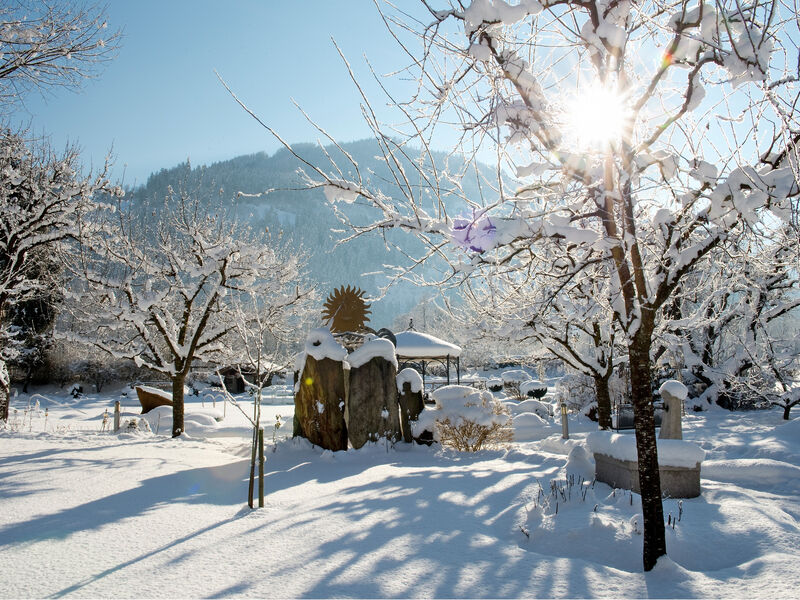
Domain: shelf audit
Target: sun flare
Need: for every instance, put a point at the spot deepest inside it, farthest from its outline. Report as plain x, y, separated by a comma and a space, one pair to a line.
595, 116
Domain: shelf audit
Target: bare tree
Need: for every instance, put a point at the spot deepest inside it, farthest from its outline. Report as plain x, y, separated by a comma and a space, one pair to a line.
50, 44
642, 136
156, 285
264, 336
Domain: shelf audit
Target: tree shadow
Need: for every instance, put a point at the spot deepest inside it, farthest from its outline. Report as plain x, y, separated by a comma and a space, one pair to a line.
221, 485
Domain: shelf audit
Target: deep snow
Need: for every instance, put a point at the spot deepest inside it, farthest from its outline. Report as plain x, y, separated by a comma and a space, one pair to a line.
93, 513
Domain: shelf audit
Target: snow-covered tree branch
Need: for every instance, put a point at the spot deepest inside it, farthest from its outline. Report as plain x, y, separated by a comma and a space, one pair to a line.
41, 196
45, 44
160, 293
644, 136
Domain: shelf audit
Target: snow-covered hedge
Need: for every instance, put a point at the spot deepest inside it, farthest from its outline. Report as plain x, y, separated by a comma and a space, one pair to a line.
465, 419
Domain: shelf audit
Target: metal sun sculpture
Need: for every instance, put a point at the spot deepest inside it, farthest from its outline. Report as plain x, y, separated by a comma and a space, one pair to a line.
346, 311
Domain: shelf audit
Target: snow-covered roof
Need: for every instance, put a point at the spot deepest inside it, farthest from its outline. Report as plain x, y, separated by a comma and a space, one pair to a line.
413, 344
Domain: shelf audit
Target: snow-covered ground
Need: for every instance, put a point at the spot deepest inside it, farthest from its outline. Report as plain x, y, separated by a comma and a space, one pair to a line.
86, 512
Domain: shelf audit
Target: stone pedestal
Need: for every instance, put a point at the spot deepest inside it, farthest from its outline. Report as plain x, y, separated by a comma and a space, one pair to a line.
676, 482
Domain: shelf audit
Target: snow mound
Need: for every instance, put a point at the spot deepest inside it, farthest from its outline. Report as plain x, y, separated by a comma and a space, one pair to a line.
494, 382
530, 406
514, 376
414, 344
671, 453
156, 392
530, 427
751, 471
579, 462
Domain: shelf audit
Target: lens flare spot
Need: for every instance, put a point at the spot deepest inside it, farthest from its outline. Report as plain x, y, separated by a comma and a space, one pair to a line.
308, 381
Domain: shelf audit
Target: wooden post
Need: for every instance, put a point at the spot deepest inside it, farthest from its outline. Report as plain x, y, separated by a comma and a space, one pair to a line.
261, 467
253, 454
116, 416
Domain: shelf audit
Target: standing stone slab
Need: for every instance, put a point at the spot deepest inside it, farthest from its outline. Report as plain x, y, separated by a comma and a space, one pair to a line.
373, 410
411, 405
319, 403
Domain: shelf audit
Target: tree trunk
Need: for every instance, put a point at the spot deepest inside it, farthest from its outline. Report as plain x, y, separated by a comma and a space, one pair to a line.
786, 409
177, 404
603, 401
646, 447
5, 391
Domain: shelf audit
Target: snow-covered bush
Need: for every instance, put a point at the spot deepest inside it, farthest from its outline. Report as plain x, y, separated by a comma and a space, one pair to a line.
494, 384
576, 391
466, 419
512, 380
531, 405
533, 389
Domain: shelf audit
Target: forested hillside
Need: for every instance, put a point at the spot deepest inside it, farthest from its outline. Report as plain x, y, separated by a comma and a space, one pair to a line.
307, 220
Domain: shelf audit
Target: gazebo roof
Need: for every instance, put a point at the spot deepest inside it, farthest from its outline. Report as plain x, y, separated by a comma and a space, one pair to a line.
413, 344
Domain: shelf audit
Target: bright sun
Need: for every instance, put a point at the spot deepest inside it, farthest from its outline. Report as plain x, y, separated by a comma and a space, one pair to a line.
595, 116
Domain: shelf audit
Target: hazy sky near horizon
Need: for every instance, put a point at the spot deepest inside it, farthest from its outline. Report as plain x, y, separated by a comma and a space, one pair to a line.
159, 101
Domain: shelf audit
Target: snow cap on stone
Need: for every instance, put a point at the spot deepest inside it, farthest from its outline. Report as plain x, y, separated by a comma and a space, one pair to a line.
321, 344
378, 347
674, 388
671, 453
410, 376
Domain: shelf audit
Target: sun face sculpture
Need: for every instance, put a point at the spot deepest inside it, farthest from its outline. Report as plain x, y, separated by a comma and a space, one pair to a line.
345, 310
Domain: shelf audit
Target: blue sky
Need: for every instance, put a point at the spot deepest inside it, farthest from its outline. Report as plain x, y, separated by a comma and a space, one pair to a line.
159, 102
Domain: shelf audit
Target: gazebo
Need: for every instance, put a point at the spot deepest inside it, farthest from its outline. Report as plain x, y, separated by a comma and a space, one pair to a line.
416, 349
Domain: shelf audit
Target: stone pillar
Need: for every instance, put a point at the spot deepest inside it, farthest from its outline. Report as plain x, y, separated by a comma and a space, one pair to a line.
319, 404
373, 410
411, 404
673, 393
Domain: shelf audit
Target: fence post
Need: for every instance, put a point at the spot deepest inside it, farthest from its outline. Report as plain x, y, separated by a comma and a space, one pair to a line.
116, 416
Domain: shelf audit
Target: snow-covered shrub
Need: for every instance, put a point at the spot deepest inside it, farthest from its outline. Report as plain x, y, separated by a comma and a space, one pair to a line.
134, 425
576, 391
512, 380
533, 389
466, 419
537, 407
494, 384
